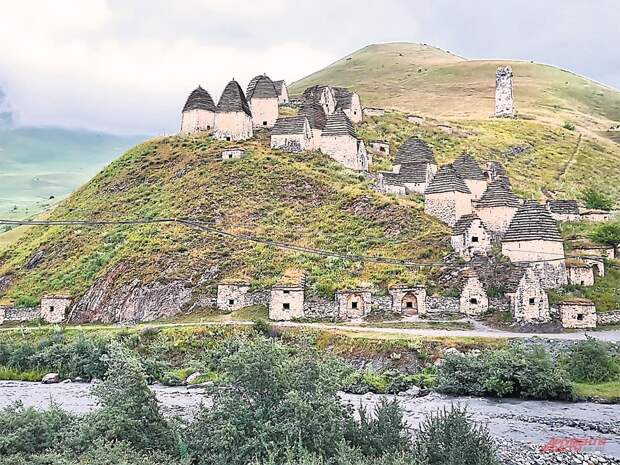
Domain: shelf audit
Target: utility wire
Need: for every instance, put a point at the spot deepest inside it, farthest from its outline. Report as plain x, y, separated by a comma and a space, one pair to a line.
207, 227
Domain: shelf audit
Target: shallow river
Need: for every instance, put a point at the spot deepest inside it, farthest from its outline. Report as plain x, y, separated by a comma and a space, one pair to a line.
534, 422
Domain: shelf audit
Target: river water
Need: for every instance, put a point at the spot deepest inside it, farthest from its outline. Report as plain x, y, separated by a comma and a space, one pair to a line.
534, 422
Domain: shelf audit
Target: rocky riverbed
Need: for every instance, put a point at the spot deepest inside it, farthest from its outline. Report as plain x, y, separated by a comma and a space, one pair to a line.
528, 432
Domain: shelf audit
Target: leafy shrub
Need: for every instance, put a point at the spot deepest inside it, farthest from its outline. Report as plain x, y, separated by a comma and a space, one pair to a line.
129, 410
28, 431
274, 402
381, 433
597, 199
568, 125
451, 438
512, 372
607, 233
590, 361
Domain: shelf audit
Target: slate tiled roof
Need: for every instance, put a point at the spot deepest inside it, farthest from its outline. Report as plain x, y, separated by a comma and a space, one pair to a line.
313, 93
233, 100
463, 224
392, 179
514, 278
261, 87
344, 97
447, 180
468, 168
278, 85
199, 99
315, 114
414, 150
414, 173
498, 194
532, 222
338, 124
290, 125
563, 207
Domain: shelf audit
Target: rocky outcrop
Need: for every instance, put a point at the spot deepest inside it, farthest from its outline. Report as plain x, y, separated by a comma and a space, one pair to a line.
133, 302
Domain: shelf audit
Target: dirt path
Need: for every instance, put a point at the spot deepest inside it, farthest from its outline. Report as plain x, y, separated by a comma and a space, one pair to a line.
480, 330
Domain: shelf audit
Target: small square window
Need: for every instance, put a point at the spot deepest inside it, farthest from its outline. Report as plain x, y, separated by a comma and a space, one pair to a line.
231, 302
208, 127
286, 292
51, 308
473, 301
381, 149
228, 138
474, 239
582, 282
286, 306
579, 316
264, 123
354, 305
230, 156
532, 300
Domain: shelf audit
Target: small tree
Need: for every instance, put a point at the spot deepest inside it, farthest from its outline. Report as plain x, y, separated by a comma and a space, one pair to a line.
590, 361
129, 410
596, 199
451, 438
607, 233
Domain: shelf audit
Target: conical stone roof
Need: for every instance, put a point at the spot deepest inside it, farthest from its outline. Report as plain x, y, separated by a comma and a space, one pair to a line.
199, 99
532, 222
261, 87
463, 224
233, 100
447, 180
414, 150
315, 114
498, 194
468, 168
339, 124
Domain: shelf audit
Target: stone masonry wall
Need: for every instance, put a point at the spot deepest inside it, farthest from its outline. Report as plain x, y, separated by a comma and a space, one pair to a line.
608, 318
578, 316
442, 305
22, 314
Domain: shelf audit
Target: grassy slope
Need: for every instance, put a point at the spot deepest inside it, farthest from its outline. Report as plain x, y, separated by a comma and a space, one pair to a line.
305, 199
41, 162
550, 159
426, 80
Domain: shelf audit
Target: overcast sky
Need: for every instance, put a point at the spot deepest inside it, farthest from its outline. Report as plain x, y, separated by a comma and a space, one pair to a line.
127, 65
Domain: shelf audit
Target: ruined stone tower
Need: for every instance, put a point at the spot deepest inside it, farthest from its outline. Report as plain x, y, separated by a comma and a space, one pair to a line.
504, 104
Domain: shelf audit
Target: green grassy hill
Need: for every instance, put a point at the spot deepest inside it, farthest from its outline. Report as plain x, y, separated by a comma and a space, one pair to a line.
305, 199
426, 80
42, 165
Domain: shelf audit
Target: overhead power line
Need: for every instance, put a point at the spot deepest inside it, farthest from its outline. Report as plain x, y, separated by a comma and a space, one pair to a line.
207, 227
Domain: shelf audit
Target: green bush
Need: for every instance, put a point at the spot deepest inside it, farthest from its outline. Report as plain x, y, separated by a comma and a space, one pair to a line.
274, 402
590, 361
597, 199
29, 431
568, 125
129, 411
451, 438
527, 373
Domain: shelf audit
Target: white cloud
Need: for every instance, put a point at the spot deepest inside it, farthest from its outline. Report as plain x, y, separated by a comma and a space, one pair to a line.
75, 74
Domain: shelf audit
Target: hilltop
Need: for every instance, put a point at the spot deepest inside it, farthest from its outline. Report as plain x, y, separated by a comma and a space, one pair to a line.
429, 81
305, 199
